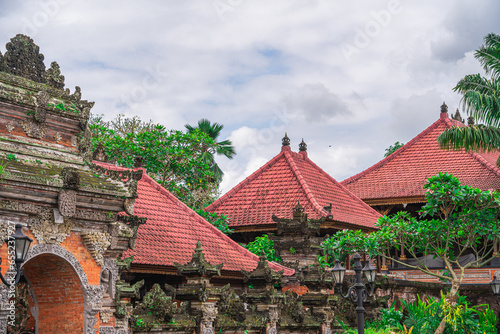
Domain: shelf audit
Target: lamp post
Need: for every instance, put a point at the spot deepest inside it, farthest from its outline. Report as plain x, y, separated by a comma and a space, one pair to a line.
357, 293
21, 244
495, 286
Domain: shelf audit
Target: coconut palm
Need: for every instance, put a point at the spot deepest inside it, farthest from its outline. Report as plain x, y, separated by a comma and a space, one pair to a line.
481, 101
223, 147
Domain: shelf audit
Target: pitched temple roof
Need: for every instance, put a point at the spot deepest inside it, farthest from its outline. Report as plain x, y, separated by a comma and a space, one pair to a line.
280, 184
400, 177
172, 230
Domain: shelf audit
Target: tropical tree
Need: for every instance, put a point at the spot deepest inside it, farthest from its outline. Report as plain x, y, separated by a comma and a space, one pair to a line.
481, 101
393, 148
173, 158
461, 220
224, 147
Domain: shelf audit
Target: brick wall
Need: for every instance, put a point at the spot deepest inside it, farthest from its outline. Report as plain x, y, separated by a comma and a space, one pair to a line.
59, 294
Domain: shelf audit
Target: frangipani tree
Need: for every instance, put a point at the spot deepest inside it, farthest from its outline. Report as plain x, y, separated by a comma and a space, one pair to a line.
457, 220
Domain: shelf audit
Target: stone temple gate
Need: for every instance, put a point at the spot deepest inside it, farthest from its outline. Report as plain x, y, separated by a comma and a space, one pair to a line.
67, 205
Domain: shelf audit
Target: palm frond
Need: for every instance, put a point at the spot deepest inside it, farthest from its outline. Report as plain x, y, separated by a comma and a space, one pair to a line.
489, 55
478, 138
481, 98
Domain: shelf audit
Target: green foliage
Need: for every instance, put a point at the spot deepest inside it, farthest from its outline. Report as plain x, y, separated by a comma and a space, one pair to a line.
461, 220
224, 147
393, 148
173, 158
263, 243
62, 107
220, 221
481, 100
389, 319
11, 157
424, 316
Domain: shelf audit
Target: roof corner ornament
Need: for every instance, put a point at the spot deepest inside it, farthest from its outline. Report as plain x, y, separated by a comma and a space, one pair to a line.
285, 141
99, 154
298, 210
457, 117
444, 108
302, 146
470, 121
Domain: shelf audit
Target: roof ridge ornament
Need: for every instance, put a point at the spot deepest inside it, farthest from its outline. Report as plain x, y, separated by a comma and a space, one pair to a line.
23, 58
470, 121
285, 141
457, 117
444, 108
302, 146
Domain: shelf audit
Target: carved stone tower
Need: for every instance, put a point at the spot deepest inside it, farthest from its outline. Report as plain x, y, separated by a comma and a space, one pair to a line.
66, 204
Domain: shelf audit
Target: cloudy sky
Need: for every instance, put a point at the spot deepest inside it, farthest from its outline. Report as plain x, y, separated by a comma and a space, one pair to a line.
350, 77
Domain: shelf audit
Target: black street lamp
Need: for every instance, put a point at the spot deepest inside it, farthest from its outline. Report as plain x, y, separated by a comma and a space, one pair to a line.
20, 244
495, 286
357, 293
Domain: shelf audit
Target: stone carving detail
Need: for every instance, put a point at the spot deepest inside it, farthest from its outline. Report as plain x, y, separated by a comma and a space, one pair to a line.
42, 100
113, 272
99, 153
4, 232
74, 141
46, 231
90, 321
97, 243
129, 205
67, 202
57, 137
105, 316
10, 126
107, 330
33, 129
209, 312
23, 58
457, 117
53, 76
67, 195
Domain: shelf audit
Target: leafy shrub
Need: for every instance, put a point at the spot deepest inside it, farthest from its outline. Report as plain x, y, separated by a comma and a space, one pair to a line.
219, 221
425, 315
263, 243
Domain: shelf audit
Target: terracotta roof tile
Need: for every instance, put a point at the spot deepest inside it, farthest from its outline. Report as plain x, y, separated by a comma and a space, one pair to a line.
286, 179
172, 230
404, 173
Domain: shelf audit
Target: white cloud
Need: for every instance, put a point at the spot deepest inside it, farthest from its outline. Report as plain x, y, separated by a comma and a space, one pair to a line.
242, 68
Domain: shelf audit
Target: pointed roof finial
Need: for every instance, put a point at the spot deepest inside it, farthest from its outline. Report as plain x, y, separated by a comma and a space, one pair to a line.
470, 121
444, 108
457, 116
285, 141
302, 146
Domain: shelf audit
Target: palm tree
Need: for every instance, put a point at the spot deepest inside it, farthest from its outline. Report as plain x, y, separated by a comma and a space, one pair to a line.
223, 147
481, 101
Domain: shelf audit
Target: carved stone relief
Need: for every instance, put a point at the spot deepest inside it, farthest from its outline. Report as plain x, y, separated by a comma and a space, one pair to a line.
57, 137
10, 126
34, 129
67, 202
107, 330
110, 266
97, 243
46, 231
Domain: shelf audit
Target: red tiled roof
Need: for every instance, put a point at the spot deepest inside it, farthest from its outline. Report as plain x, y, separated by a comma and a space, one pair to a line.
172, 230
404, 173
286, 179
